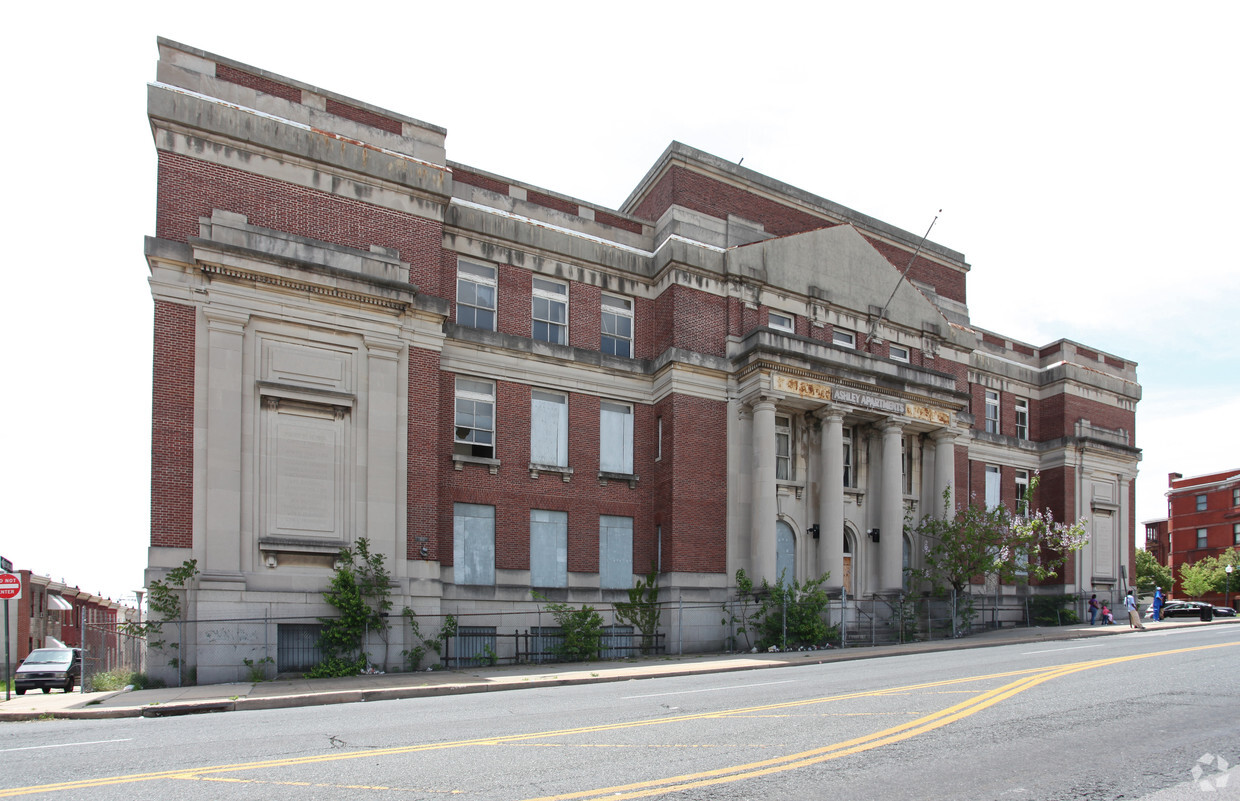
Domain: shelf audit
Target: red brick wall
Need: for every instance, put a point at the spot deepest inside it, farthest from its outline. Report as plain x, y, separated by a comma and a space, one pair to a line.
700, 193
264, 85
364, 116
172, 427
427, 441
1057, 416
189, 189
947, 282
692, 539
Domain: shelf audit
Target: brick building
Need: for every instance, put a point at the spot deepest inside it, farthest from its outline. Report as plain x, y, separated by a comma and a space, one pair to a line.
1203, 519
51, 614
1158, 540
505, 388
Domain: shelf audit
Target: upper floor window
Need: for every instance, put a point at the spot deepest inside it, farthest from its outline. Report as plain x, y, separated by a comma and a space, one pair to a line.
475, 295
1201, 503
548, 548
780, 321
550, 311
473, 543
993, 496
1235, 534
549, 429
474, 434
1201, 538
1022, 418
1151, 533
850, 474
617, 326
845, 339
615, 446
992, 412
783, 448
1235, 497
1022, 489
898, 353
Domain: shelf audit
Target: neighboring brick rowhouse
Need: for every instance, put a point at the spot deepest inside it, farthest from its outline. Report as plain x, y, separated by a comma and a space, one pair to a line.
172, 427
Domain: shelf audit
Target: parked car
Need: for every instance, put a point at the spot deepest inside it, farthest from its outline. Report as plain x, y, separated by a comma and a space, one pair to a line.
46, 668
1193, 609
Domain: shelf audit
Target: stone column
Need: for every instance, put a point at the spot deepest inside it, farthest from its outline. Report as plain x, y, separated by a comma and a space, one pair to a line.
222, 507
831, 499
891, 512
762, 530
380, 459
944, 471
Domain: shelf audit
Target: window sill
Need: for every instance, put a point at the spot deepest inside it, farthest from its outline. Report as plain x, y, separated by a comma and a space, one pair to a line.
565, 473
459, 460
604, 477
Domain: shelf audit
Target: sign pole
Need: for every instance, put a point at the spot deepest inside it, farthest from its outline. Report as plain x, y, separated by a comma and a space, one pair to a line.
12, 588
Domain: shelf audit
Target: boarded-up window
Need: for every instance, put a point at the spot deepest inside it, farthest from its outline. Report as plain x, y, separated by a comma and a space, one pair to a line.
549, 429
785, 554
548, 548
473, 543
615, 552
615, 437
992, 486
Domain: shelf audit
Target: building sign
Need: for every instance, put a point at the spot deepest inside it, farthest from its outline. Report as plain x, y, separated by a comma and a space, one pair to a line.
825, 392
876, 402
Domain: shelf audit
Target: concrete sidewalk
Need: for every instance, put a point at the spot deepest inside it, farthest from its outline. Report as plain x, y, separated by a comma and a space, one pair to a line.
313, 692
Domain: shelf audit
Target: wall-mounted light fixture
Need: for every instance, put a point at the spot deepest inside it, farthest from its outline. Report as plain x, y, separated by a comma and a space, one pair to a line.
873, 534
814, 530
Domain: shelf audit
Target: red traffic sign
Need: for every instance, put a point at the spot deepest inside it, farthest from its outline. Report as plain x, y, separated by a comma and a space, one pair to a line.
10, 587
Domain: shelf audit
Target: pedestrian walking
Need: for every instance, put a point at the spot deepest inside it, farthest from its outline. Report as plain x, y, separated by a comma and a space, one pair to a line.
1093, 609
1159, 600
1134, 619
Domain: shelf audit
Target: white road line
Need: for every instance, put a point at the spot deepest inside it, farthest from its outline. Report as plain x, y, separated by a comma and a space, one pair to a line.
1057, 650
707, 690
64, 745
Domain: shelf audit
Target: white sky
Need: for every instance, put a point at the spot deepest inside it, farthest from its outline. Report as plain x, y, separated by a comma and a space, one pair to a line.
1084, 156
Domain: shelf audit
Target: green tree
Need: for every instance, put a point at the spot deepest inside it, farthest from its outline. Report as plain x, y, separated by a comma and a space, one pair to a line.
361, 592
581, 628
1196, 579
641, 611
164, 602
1151, 574
976, 541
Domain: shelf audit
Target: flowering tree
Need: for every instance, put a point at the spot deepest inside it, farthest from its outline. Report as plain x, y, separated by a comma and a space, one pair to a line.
976, 541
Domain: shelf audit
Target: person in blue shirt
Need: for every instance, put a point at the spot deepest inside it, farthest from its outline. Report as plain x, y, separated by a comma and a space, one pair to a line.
1158, 603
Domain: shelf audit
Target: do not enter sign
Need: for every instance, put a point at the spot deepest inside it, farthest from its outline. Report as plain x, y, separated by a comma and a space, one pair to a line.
10, 587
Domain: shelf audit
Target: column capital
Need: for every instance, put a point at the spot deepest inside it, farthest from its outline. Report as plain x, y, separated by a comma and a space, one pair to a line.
757, 402
829, 412
888, 424
941, 435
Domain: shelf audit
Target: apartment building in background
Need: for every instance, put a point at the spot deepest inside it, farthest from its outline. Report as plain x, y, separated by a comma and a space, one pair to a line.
507, 390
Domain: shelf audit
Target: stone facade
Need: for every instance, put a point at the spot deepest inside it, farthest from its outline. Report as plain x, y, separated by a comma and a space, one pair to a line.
505, 389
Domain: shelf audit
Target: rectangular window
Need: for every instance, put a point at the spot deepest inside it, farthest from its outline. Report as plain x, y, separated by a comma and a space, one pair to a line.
617, 326
1201, 503
780, 322
658, 438
1235, 497
475, 295
550, 311
898, 353
473, 543
548, 548
849, 473
1235, 534
615, 552
615, 429
992, 412
475, 418
1022, 418
549, 428
993, 495
845, 339
906, 465
783, 448
1201, 538
1022, 487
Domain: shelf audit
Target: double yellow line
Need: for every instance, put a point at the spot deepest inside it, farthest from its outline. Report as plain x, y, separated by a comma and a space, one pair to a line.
1028, 679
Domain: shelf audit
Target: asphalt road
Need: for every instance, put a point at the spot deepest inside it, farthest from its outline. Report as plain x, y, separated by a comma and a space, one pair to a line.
1115, 717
